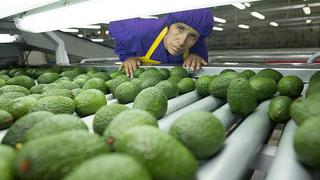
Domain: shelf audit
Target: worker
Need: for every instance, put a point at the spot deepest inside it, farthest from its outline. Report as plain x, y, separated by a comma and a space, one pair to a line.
177, 38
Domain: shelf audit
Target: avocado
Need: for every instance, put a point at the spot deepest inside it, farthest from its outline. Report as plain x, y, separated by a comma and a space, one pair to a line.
105, 115
270, 73
150, 81
95, 83
241, 97
226, 70
4, 77
82, 76
75, 92
137, 81
89, 101
218, 86
58, 92
265, 87
37, 89
314, 84
163, 156
201, 132
91, 70
113, 166
54, 156
6, 119
62, 79
54, 104
186, 85
12, 95
126, 120
102, 75
307, 143
80, 82
150, 73
115, 74
20, 106
202, 85
24, 81
64, 84
53, 125
13, 88
126, 92
290, 86
175, 79
170, 89
47, 78
153, 100
117, 81
138, 72
247, 74
7, 157
20, 127
70, 74
165, 73
2, 82
302, 109
179, 71
279, 109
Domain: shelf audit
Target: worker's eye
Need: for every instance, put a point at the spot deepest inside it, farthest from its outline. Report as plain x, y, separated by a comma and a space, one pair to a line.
180, 28
193, 36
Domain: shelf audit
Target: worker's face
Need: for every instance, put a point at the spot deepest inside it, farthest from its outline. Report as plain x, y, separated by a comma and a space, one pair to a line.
179, 38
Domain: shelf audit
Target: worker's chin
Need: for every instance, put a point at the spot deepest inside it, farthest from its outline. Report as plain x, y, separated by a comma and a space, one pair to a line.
174, 53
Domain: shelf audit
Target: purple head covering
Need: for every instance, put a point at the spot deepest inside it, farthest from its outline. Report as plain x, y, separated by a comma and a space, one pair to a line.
199, 19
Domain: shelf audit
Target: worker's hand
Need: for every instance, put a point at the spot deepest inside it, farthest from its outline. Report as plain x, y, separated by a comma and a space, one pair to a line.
194, 62
130, 65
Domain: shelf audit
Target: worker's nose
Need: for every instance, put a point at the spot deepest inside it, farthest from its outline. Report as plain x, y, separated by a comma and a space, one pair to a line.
182, 39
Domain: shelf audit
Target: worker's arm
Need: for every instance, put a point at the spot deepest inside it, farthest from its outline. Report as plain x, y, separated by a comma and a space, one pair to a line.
198, 56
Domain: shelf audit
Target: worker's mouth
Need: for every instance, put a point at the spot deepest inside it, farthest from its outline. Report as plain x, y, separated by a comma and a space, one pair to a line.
176, 50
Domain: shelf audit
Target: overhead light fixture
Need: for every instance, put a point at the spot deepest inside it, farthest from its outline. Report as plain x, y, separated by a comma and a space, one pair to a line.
247, 4
220, 20
80, 35
70, 30
149, 17
68, 15
274, 24
217, 28
8, 38
308, 21
12, 7
89, 27
97, 40
258, 15
306, 10
239, 6
243, 26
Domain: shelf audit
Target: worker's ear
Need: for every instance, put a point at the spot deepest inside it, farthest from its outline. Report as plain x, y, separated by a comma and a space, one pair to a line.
139, 62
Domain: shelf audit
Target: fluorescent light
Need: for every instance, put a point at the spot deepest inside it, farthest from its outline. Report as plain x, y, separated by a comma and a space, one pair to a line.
247, 4
243, 26
7, 38
68, 15
97, 40
220, 20
89, 27
308, 21
274, 24
149, 17
306, 10
70, 30
107, 32
239, 6
258, 15
80, 35
12, 7
217, 28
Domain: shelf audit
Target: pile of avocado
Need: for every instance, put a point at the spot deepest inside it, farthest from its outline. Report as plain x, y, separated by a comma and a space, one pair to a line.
46, 138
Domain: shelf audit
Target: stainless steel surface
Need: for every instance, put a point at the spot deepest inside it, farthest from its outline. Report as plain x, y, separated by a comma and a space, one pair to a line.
93, 60
182, 101
285, 166
206, 104
240, 148
225, 116
313, 58
109, 97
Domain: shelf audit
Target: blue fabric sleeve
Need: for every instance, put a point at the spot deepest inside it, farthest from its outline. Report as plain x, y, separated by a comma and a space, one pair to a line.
200, 48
